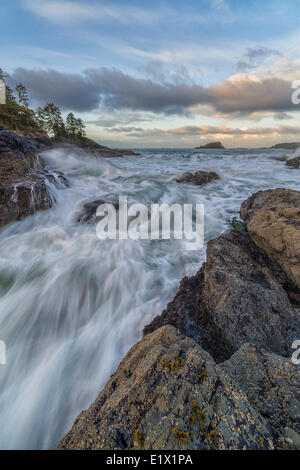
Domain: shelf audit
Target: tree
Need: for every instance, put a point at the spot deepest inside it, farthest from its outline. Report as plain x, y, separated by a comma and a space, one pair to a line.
71, 122
80, 128
52, 119
22, 95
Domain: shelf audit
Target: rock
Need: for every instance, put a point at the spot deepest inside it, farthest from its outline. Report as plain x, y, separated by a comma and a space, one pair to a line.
24, 187
168, 394
294, 162
288, 146
93, 148
272, 385
273, 221
233, 299
212, 145
88, 212
42, 142
199, 178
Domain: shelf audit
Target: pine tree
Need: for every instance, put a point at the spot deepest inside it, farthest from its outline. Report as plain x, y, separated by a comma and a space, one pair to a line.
53, 120
71, 122
22, 95
80, 128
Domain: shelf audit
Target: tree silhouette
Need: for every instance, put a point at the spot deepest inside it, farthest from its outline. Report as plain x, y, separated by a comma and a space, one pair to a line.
22, 95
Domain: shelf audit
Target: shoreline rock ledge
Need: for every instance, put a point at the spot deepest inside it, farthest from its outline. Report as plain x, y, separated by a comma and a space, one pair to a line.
214, 370
24, 180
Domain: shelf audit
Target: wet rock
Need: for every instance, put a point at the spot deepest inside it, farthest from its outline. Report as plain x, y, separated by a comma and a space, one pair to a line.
24, 181
294, 162
199, 178
272, 385
169, 394
233, 299
273, 221
87, 214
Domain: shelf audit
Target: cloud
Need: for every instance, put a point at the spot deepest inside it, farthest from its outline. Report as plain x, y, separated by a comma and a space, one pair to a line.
220, 5
255, 57
207, 131
70, 12
282, 116
113, 89
116, 118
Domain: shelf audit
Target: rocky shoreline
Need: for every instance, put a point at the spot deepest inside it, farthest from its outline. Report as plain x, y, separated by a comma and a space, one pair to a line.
214, 370
24, 181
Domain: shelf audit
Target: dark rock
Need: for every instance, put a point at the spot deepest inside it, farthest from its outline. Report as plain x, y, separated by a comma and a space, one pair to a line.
294, 162
199, 178
93, 148
211, 145
288, 146
175, 397
23, 178
233, 299
88, 212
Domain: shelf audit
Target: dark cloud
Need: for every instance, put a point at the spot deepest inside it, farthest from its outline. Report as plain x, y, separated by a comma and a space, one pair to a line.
207, 130
114, 90
255, 57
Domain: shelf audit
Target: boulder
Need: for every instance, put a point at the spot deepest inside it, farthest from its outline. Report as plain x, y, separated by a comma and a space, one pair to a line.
87, 214
235, 298
169, 394
199, 178
273, 221
294, 162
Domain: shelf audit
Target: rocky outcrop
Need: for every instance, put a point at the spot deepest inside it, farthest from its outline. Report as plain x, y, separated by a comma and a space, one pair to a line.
288, 146
273, 222
169, 394
233, 299
24, 182
212, 145
93, 148
199, 178
214, 370
88, 212
294, 162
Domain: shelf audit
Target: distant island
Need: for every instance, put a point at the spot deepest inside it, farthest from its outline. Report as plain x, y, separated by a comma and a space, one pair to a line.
288, 146
211, 145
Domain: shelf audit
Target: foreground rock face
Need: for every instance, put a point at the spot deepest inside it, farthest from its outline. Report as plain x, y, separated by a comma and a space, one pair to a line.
232, 300
271, 383
273, 222
294, 162
24, 182
169, 394
199, 178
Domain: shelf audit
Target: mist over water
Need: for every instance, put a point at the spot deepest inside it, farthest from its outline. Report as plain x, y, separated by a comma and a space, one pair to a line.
71, 306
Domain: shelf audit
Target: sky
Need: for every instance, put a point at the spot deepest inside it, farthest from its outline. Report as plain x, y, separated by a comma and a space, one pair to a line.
162, 73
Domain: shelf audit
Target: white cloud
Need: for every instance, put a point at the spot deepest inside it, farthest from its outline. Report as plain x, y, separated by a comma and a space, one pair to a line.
69, 12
